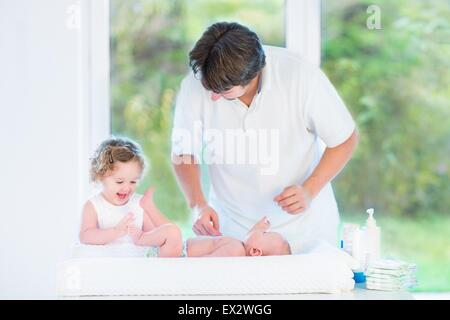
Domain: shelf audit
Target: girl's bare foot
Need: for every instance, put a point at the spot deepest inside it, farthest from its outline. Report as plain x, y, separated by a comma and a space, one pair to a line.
147, 200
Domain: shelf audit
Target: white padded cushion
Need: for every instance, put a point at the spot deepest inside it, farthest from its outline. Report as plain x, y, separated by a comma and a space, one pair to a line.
117, 250
323, 270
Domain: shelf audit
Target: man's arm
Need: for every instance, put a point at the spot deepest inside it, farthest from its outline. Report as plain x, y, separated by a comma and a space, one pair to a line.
188, 174
295, 199
332, 162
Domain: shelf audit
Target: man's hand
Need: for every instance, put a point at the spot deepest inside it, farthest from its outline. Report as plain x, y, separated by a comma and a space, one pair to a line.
294, 199
207, 223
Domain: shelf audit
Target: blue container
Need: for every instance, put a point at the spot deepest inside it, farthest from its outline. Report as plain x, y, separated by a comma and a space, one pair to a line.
359, 277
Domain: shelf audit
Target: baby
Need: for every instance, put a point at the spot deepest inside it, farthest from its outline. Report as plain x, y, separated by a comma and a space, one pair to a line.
258, 242
117, 214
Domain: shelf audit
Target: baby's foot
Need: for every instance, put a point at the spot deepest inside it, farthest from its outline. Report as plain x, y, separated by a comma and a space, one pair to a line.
147, 200
135, 234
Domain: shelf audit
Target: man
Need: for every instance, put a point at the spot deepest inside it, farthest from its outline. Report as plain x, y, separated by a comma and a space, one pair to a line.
259, 116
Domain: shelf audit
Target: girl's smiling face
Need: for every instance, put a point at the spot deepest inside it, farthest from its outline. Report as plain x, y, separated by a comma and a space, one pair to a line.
120, 184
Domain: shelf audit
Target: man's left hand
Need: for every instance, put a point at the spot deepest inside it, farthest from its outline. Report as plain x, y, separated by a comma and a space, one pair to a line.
294, 199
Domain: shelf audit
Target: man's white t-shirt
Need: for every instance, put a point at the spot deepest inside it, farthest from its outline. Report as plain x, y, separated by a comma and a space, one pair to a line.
253, 153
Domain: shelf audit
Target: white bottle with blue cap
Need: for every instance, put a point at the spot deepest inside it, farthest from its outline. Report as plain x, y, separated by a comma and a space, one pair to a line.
372, 238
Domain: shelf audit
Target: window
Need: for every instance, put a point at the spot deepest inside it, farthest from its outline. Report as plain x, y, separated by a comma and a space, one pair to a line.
390, 64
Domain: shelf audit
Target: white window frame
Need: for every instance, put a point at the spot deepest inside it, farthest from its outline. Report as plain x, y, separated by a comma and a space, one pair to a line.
302, 29
94, 83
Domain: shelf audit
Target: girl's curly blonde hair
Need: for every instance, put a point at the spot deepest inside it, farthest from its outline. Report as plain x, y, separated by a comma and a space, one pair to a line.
110, 152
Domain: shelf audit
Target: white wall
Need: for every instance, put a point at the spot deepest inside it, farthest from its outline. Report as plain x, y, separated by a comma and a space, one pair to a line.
40, 146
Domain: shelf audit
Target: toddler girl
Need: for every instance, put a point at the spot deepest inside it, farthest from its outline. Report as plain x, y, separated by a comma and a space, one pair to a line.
116, 214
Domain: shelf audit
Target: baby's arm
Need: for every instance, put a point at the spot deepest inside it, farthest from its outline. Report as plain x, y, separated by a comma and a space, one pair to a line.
90, 233
262, 225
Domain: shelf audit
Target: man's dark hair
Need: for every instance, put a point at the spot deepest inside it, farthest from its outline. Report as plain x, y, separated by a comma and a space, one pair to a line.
227, 55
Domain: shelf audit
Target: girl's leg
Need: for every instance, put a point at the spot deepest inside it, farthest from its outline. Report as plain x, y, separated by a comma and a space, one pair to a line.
167, 237
151, 210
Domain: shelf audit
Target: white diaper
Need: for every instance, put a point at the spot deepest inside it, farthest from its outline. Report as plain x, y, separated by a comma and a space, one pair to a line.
152, 252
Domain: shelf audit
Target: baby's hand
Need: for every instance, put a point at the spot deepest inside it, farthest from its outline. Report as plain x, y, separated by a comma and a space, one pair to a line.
135, 233
262, 224
122, 227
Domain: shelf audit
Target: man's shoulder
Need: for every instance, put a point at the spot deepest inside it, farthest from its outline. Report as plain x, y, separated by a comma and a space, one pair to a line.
283, 54
192, 86
192, 81
285, 61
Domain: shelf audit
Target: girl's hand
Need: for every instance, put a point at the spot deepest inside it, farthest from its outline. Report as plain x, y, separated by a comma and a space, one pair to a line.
122, 227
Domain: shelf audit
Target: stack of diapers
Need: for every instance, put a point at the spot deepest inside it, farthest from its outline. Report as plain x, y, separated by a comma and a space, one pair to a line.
122, 270
390, 275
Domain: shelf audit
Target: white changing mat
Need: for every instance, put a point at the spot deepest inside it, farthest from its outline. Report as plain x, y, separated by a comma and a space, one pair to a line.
105, 271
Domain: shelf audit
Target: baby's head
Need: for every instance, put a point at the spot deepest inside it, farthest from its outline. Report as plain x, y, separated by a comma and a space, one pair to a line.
118, 164
260, 242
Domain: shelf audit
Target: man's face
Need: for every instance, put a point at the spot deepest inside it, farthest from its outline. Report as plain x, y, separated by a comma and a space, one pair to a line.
233, 93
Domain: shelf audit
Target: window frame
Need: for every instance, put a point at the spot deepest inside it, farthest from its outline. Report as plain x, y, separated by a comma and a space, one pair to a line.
302, 28
94, 83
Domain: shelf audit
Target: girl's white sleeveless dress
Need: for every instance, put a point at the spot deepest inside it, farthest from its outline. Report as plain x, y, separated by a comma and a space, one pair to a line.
109, 215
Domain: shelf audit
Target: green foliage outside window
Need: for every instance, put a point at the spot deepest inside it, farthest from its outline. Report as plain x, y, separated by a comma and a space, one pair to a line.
394, 80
